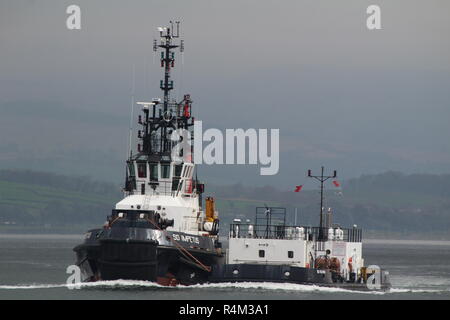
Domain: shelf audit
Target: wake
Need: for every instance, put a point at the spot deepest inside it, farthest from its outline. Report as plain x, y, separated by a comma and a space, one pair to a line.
268, 286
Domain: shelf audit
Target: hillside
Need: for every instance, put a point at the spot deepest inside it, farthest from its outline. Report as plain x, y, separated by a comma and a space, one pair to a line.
391, 203
44, 199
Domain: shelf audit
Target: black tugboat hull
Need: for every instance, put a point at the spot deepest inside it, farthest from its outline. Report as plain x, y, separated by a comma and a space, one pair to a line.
146, 271
104, 256
169, 267
128, 259
290, 274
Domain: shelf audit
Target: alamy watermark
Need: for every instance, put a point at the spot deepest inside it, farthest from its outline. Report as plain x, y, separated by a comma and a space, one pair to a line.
375, 278
73, 21
74, 279
235, 146
373, 21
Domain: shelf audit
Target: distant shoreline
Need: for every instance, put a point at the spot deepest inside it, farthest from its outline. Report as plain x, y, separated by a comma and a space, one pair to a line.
408, 242
49, 236
17, 236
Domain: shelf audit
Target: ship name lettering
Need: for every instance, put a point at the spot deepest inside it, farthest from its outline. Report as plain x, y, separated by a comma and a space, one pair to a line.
190, 239
263, 244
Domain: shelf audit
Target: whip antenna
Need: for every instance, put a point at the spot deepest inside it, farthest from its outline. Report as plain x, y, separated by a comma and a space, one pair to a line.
132, 109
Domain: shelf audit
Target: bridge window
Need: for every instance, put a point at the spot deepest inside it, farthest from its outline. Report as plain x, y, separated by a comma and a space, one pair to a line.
165, 171
142, 170
262, 253
131, 169
290, 254
154, 171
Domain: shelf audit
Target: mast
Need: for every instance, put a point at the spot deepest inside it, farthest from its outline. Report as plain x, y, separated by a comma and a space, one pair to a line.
161, 119
321, 179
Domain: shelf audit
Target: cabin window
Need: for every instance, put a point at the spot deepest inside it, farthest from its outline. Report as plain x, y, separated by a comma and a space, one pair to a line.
290, 254
131, 169
165, 171
154, 171
262, 253
142, 170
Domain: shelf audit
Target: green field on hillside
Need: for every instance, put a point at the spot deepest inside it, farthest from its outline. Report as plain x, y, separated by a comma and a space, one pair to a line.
415, 204
39, 197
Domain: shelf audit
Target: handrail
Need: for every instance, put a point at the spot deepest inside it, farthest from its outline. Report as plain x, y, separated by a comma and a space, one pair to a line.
243, 230
165, 188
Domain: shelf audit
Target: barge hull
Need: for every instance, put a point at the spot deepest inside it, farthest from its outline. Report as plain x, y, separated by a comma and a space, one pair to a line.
291, 274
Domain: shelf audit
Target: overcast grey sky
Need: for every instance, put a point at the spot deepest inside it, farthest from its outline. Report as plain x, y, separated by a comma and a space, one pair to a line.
352, 99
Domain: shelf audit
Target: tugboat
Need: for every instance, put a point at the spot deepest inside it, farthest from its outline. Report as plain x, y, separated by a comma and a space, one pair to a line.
272, 251
159, 231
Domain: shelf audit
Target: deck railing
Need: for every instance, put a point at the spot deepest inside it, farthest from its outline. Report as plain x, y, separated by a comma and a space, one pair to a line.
242, 230
170, 188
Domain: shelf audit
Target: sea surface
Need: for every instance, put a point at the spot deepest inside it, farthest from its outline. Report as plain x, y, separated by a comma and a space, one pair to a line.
34, 267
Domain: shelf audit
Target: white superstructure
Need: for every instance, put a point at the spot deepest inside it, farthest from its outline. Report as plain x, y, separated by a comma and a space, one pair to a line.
277, 244
174, 195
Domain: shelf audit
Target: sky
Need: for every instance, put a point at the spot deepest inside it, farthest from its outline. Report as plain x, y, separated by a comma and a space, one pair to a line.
356, 100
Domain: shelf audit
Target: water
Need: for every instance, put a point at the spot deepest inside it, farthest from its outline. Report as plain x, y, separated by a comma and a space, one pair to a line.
34, 267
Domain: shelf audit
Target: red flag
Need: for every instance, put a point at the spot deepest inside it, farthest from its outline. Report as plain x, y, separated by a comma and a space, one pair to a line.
336, 184
298, 188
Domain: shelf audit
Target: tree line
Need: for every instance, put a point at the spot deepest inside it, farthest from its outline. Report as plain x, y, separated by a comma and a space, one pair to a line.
390, 201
